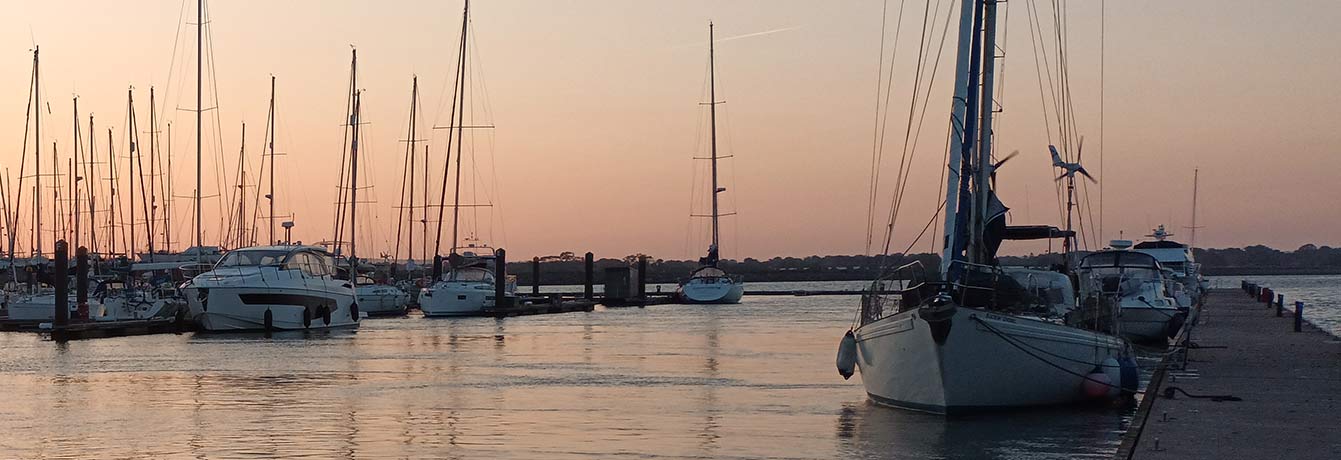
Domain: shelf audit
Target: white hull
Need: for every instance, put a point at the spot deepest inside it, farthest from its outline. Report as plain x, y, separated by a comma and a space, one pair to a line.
975, 368
222, 308
384, 300
712, 293
35, 308
1146, 324
455, 298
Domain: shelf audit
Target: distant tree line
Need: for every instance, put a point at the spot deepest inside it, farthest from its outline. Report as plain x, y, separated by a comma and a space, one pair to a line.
568, 267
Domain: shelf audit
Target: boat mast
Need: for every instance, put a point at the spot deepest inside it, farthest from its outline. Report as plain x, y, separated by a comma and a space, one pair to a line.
113, 207
153, 193
423, 218
354, 189
408, 189
74, 171
37, 154
167, 200
271, 128
984, 194
93, 180
960, 121
200, 33
458, 103
1193, 243
241, 189
715, 250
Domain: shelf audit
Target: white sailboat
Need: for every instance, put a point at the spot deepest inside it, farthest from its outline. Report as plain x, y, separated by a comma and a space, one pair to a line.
708, 283
972, 336
468, 286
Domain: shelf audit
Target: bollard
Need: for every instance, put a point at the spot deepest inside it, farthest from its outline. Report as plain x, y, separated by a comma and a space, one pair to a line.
1280, 306
642, 278
61, 269
81, 281
1298, 316
500, 279
535, 275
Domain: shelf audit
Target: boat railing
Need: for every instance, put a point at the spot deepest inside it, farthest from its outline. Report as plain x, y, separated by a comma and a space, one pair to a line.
897, 291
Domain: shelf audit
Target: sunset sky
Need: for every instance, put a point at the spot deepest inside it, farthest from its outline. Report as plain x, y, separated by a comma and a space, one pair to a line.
597, 115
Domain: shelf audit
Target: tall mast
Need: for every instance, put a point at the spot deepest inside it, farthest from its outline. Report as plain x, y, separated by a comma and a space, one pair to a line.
958, 120
354, 189
423, 218
134, 160
167, 200
1193, 242
984, 161
460, 128
241, 188
458, 100
92, 182
114, 200
200, 34
37, 154
712, 110
271, 128
408, 189
74, 171
153, 193
55, 195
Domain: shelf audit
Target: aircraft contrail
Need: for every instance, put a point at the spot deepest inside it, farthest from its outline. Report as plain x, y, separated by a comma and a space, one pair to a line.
738, 37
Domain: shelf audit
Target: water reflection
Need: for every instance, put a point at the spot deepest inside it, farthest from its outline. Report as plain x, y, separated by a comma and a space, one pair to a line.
749, 380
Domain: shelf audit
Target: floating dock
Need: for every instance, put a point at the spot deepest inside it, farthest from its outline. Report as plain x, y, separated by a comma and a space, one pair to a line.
1249, 386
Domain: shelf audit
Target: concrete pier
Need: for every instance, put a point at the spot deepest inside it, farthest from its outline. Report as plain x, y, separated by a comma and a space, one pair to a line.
1288, 385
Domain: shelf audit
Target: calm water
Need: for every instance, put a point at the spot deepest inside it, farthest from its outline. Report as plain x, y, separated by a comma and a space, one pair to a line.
1321, 295
755, 380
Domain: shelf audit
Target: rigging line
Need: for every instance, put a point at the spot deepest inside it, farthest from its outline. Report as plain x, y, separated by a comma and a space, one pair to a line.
940, 191
1041, 68
693, 171
452, 121
882, 118
907, 155
496, 197
875, 136
925, 227
917, 134
347, 123
1103, 21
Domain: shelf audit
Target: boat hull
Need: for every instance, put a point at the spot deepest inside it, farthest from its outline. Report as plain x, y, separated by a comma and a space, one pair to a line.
224, 308
712, 293
384, 302
987, 361
449, 298
1147, 324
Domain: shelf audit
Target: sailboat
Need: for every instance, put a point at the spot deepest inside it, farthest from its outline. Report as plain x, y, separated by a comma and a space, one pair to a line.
970, 336
708, 283
469, 285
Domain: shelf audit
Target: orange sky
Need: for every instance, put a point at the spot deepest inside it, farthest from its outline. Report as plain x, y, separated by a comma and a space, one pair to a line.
596, 111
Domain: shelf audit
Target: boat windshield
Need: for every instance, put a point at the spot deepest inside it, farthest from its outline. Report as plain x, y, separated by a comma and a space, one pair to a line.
470, 275
252, 258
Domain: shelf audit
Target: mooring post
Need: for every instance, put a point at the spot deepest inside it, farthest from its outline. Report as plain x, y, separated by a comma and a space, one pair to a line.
590, 266
61, 277
535, 275
81, 281
642, 278
1280, 304
1298, 316
500, 279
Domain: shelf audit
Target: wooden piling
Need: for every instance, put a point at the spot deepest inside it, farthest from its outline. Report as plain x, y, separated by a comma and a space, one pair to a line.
1280, 305
642, 278
501, 278
587, 292
81, 281
535, 275
1298, 316
60, 277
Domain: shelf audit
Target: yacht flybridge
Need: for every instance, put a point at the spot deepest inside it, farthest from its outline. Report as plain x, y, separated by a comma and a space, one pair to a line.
468, 287
970, 335
708, 283
272, 288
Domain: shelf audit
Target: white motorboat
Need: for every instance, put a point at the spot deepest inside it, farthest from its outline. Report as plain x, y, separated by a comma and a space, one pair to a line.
709, 284
1178, 259
381, 299
1134, 283
466, 289
272, 288
972, 336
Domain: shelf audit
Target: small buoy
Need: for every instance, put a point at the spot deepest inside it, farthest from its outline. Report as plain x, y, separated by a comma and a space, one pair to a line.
1096, 384
325, 314
307, 318
269, 320
354, 312
847, 355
